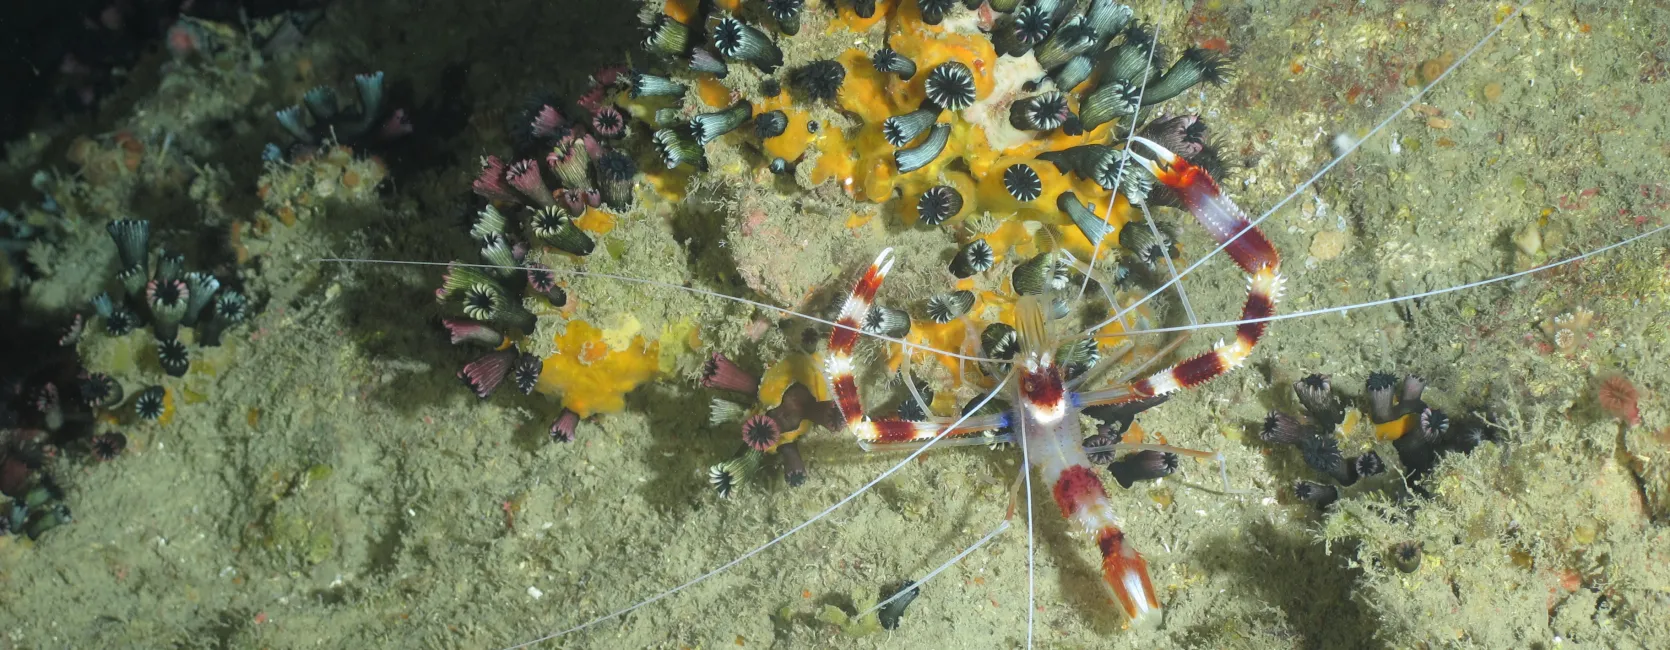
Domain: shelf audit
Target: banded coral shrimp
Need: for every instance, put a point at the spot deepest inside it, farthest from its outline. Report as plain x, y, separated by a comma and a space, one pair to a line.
1173, 529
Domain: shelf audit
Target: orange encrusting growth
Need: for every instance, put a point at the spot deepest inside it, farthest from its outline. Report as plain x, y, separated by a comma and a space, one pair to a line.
713, 93
1396, 428
590, 377
595, 221
861, 162
989, 307
791, 145
683, 11
794, 369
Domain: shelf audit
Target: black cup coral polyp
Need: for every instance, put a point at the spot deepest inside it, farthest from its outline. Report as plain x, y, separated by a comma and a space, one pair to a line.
322, 116
1396, 409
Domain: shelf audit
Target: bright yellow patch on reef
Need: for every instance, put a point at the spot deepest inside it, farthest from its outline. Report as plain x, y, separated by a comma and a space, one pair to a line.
1134, 436
1011, 236
683, 11
684, 336
861, 161
595, 221
670, 184
190, 396
792, 369
858, 219
791, 145
950, 337
591, 378
713, 93
620, 336
167, 407
1396, 428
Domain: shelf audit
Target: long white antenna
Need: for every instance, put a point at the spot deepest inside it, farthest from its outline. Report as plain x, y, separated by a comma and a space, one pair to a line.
1031, 535
1124, 160
775, 540
1001, 526
665, 285
1412, 296
1325, 169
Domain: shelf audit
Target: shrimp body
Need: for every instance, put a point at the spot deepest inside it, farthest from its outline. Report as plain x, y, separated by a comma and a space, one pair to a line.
1046, 415
1051, 435
1047, 419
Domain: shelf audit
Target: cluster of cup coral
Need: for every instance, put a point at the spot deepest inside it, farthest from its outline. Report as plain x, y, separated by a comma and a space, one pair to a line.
999, 125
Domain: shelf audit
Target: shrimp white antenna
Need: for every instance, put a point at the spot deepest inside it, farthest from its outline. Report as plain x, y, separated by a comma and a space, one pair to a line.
910, 384
1031, 536
667, 285
1001, 526
1413, 296
775, 540
1154, 229
1119, 178
1251, 227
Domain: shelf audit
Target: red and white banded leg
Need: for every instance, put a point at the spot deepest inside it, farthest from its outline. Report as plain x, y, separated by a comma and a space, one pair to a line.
839, 368
1246, 245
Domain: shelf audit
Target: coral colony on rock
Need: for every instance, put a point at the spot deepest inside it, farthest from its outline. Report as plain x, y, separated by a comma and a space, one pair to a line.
524, 229
659, 304
152, 333
166, 317
164, 296
1011, 139
1006, 128
1419, 433
1014, 153
321, 117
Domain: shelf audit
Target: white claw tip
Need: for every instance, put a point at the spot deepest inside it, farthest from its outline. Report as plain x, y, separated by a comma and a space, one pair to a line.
1163, 154
884, 261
